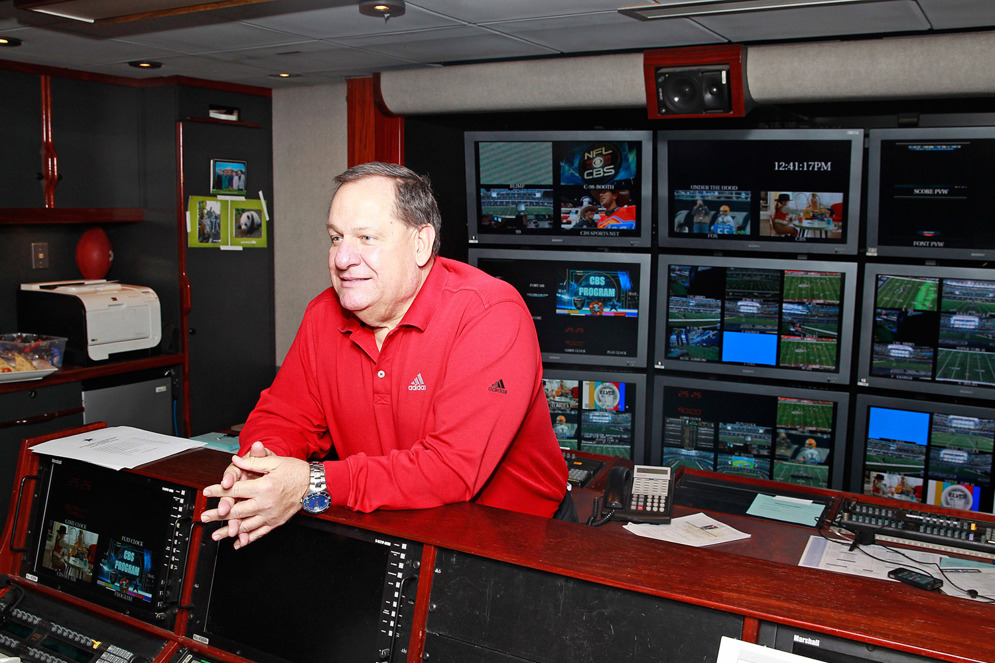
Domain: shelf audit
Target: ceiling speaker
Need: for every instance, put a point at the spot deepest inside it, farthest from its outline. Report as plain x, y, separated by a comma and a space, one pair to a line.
693, 91
695, 82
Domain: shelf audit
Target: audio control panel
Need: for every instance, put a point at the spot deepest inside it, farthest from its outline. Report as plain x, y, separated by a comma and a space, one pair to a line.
895, 523
38, 629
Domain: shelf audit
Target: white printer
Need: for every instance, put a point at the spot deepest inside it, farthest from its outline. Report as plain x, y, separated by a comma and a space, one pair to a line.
99, 317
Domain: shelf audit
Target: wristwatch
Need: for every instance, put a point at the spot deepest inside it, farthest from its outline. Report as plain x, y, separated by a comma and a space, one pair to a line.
316, 499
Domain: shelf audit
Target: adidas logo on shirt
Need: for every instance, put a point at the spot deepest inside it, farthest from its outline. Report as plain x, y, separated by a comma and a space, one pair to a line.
498, 387
418, 384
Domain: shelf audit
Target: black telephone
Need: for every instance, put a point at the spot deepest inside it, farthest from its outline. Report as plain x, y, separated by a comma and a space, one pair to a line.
640, 495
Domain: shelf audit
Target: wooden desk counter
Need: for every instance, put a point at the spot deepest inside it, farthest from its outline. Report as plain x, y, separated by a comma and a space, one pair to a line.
757, 577
755, 580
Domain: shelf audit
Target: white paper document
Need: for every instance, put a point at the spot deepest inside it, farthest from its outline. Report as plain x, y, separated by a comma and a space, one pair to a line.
117, 447
958, 575
694, 530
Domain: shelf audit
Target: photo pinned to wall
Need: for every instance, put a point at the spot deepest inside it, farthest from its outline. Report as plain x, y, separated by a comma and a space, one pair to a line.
228, 177
248, 223
220, 223
207, 222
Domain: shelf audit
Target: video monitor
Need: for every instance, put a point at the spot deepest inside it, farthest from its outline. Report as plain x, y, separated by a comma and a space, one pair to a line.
597, 412
929, 192
111, 538
928, 329
332, 593
761, 431
780, 190
588, 308
928, 452
788, 319
569, 188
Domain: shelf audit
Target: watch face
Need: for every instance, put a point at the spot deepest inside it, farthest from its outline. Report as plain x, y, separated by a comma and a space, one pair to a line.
316, 502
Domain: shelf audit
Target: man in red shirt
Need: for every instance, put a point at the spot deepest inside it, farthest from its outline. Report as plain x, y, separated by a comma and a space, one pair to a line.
422, 373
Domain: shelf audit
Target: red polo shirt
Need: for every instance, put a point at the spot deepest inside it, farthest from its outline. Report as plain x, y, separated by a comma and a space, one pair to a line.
450, 409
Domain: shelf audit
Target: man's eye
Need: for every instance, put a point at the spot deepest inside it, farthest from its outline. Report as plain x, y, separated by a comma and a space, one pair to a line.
336, 240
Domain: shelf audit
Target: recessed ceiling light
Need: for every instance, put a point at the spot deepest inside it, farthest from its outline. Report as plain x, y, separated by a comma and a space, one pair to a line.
144, 64
285, 75
384, 8
10, 42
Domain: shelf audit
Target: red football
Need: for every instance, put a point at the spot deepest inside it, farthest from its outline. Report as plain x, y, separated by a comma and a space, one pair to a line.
94, 254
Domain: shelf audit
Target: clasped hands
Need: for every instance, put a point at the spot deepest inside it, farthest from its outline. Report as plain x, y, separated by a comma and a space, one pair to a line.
258, 492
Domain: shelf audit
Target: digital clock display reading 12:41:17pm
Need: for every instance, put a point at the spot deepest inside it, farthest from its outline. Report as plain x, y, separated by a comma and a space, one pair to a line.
824, 166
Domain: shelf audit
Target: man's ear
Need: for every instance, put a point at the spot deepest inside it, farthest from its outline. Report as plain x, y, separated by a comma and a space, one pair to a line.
424, 241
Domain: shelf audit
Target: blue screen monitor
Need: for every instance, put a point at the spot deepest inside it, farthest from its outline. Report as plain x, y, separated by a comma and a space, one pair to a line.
565, 188
928, 329
752, 317
928, 452
929, 192
588, 308
773, 190
597, 411
761, 431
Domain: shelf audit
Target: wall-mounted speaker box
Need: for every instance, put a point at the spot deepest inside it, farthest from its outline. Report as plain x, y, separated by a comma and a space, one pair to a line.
705, 81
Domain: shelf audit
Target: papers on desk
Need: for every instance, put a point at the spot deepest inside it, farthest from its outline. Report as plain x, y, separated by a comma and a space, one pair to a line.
118, 447
958, 575
694, 530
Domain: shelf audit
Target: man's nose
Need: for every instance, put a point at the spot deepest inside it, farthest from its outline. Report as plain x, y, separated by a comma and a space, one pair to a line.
345, 254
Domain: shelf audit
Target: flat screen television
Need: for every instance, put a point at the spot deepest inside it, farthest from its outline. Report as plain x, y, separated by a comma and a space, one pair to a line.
780, 190
110, 538
333, 593
928, 329
929, 192
588, 308
596, 411
928, 452
756, 317
569, 188
762, 431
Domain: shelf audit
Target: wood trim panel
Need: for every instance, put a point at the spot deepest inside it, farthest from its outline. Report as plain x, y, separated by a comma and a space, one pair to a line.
373, 134
77, 373
59, 215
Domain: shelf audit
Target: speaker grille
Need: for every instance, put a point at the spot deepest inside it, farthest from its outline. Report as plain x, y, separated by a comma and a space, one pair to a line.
692, 91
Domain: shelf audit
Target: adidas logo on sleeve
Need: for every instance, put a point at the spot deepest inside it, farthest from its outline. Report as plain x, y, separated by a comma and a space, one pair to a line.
498, 387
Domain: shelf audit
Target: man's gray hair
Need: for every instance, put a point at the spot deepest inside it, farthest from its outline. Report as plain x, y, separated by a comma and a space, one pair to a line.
414, 202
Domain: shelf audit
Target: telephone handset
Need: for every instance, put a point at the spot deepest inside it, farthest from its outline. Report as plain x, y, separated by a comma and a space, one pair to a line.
641, 495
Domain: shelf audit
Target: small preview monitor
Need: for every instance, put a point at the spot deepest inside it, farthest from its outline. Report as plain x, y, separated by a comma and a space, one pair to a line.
928, 329
929, 192
588, 308
597, 411
775, 190
787, 319
335, 593
761, 431
930, 452
568, 188
111, 538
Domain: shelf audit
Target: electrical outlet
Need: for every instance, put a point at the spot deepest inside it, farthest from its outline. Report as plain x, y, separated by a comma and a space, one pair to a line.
39, 255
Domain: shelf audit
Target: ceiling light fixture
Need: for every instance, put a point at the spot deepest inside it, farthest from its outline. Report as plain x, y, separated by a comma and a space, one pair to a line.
113, 11
691, 8
145, 64
10, 42
384, 8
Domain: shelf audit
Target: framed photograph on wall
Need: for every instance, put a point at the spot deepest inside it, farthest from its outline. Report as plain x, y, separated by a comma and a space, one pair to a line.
248, 223
207, 222
228, 177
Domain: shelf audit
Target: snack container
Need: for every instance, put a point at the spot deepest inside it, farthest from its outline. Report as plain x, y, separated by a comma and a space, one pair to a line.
29, 356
